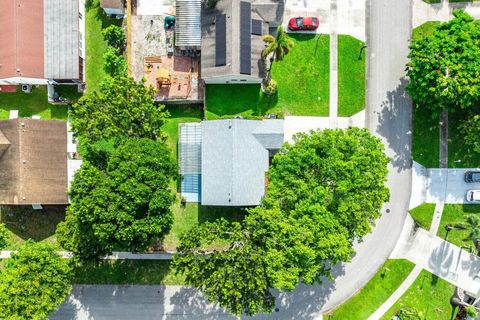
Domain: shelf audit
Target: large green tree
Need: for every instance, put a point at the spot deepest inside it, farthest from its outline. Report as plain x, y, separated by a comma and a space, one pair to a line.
122, 108
444, 68
324, 192
124, 206
33, 283
236, 277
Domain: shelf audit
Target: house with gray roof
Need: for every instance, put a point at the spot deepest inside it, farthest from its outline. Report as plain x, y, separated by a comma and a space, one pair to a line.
232, 42
224, 162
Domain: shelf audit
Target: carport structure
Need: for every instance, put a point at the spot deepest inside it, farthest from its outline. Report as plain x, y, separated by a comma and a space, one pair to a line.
190, 160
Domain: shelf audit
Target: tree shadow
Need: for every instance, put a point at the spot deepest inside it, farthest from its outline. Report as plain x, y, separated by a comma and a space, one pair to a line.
397, 110
214, 213
27, 223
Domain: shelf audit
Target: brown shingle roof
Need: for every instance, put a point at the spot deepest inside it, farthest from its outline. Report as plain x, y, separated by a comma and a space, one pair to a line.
116, 4
33, 167
21, 43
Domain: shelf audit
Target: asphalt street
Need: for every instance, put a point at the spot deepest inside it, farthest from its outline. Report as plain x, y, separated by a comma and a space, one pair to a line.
388, 115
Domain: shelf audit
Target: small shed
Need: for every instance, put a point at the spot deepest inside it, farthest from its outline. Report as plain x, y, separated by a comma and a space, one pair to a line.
113, 7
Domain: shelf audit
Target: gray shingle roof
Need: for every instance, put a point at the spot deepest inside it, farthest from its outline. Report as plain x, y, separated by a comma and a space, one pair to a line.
61, 39
235, 159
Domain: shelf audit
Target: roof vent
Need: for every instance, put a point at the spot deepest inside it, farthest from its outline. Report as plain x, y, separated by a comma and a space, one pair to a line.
24, 161
22, 124
18, 69
229, 124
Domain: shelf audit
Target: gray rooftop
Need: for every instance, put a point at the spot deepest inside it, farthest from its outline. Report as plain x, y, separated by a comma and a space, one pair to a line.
188, 23
61, 39
235, 158
231, 8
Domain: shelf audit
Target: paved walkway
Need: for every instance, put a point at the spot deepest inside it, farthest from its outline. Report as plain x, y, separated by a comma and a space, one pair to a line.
333, 108
397, 294
441, 258
423, 12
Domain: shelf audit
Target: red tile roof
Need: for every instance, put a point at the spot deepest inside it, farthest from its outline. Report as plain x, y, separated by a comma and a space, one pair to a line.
21, 43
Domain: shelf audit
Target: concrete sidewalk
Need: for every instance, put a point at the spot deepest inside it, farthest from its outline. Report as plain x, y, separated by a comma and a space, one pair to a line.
442, 258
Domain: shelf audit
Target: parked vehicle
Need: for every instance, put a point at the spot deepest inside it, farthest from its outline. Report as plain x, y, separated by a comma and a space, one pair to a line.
472, 176
303, 24
473, 195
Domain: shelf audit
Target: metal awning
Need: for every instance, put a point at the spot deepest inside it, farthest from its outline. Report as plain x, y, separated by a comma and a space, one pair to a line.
188, 26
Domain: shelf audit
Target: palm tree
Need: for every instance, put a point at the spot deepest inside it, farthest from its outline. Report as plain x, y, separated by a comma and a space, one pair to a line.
473, 227
277, 48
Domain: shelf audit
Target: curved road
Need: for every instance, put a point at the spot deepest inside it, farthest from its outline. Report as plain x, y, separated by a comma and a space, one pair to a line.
389, 117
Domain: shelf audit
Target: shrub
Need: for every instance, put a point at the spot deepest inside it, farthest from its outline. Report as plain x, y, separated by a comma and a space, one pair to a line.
114, 64
115, 37
271, 88
3, 236
471, 311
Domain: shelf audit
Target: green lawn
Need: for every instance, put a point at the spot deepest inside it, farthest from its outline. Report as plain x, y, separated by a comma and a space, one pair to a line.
423, 215
303, 85
95, 46
351, 76
25, 223
460, 155
455, 214
426, 138
147, 272
180, 114
29, 104
429, 295
377, 290
424, 30
185, 217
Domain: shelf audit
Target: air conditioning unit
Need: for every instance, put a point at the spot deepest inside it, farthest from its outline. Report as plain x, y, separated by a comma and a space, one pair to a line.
26, 88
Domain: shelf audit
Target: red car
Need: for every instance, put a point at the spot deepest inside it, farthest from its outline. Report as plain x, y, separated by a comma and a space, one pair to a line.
303, 23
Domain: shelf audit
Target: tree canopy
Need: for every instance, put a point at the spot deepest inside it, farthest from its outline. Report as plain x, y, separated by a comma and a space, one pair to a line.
122, 108
34, 282
444, 68
115, 37
125, 205
324, 192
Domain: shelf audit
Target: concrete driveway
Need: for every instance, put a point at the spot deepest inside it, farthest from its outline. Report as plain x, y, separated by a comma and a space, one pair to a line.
448, 185
439, 185
343, 16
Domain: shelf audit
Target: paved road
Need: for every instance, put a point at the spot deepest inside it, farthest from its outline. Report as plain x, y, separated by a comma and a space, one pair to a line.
388, 115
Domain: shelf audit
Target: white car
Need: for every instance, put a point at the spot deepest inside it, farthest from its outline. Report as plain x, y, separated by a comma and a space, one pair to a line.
473, 195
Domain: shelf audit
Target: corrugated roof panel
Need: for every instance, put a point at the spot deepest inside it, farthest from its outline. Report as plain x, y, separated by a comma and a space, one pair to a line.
61, 28
188, 26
